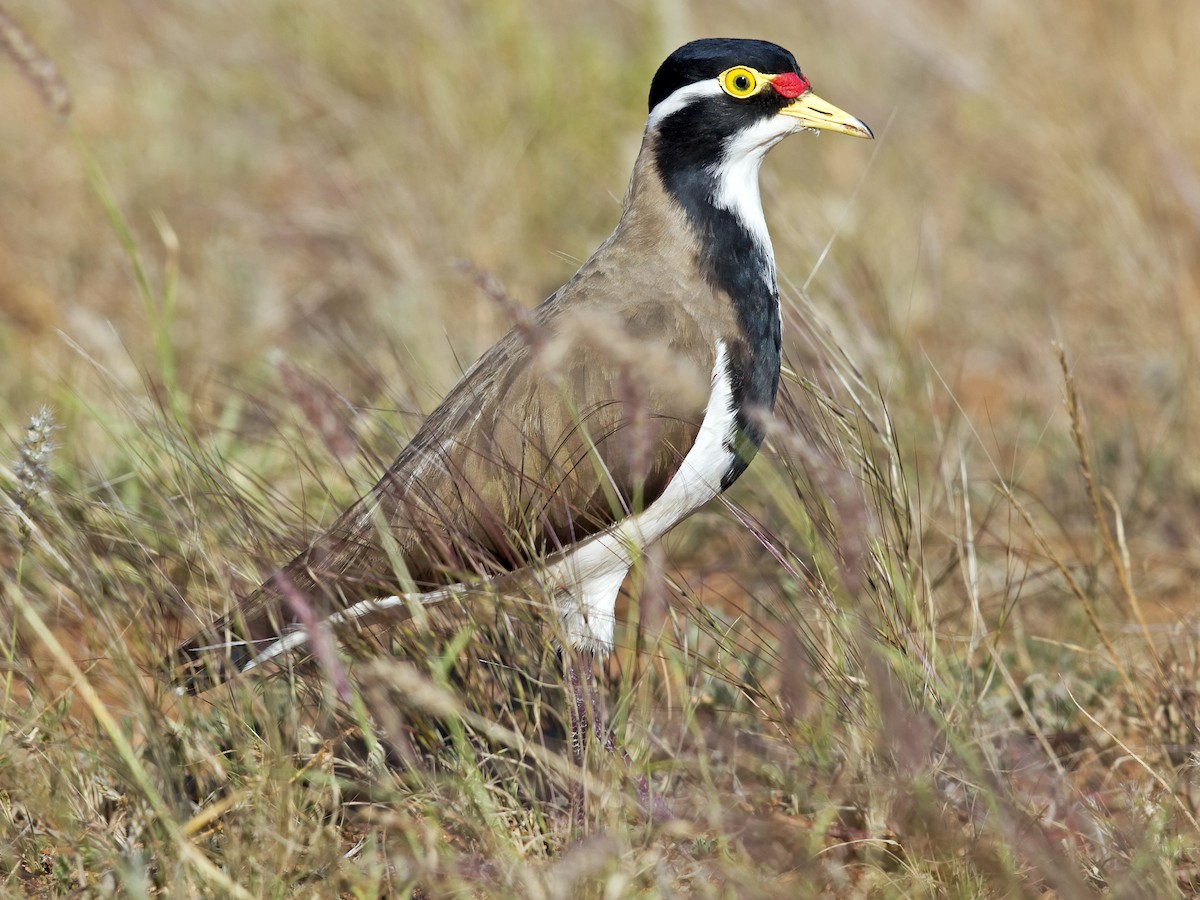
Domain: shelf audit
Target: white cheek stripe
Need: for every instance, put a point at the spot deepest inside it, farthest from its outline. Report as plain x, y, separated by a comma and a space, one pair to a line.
673, 103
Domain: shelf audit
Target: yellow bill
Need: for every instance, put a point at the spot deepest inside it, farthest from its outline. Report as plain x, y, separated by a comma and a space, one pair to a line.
813, 112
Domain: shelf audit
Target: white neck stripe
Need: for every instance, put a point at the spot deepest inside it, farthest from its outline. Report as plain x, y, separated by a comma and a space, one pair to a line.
736, 177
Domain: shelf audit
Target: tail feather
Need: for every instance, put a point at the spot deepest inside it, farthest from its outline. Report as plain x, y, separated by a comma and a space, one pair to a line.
212, 656
219, 651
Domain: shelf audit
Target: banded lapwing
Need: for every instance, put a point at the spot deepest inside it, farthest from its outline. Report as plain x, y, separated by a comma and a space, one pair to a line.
632, 396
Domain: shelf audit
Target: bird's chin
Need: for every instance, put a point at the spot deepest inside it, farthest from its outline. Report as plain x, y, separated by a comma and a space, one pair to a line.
758, 139
792, 126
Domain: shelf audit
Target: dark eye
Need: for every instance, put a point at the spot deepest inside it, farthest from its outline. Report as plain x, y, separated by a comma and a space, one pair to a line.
742, 83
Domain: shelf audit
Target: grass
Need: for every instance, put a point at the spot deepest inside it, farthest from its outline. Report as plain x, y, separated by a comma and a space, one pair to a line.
940, 641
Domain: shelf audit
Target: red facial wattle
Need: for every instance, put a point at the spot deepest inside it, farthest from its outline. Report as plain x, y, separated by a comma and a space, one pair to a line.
790, 85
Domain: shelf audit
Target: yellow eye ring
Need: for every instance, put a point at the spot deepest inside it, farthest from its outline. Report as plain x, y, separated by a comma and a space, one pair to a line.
741, 82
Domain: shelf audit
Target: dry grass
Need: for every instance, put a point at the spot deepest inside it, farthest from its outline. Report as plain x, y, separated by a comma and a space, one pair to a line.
942, 645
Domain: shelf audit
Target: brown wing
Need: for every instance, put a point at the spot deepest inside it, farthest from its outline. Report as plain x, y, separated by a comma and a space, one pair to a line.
558, 432
571, 421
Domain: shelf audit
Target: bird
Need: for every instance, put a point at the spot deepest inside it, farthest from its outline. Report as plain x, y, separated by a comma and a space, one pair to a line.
632, 396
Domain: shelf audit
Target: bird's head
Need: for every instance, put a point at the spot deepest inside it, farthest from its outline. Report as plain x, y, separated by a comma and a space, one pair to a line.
716, 107
714, 92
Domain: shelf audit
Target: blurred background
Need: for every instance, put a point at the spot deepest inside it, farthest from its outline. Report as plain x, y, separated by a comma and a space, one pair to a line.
303, 182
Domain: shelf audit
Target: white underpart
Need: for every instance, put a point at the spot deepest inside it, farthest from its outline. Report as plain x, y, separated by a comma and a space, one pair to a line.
586, 581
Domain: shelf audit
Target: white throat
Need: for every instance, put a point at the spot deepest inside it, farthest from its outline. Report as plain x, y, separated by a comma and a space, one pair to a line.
736, 177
